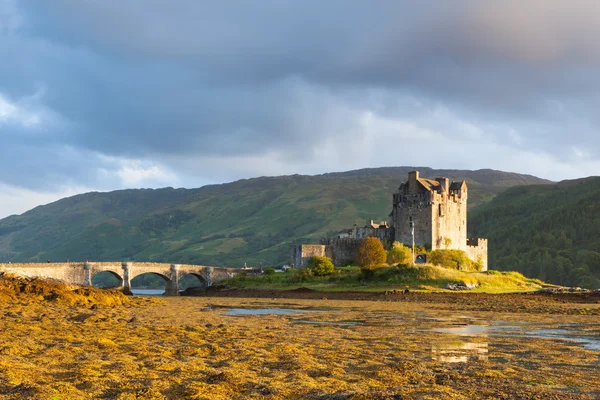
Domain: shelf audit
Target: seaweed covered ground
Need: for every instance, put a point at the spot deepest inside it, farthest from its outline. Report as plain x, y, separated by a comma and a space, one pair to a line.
59, 342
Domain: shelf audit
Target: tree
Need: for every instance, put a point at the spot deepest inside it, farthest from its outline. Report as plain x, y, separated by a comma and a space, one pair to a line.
370, 254
399, 254
321, 266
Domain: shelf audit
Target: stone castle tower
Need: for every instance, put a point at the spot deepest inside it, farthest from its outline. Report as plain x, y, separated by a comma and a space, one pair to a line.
437, 211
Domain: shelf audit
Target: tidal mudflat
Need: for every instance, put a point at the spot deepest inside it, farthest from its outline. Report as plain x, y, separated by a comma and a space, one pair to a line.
197, 348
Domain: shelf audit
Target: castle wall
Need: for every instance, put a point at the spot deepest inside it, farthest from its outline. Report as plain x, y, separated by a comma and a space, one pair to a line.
477, 250
413, 210
341, 251
301, 253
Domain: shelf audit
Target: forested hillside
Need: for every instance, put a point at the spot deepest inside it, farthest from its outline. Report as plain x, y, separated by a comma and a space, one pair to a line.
551, 232
253, 221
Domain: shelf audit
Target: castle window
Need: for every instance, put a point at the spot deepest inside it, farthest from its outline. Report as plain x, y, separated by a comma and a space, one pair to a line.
441, 210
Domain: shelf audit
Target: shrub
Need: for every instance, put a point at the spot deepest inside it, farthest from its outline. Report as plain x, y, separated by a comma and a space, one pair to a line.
302, 275
388, 243
269, 271
370, 254
367, 274
399, 254
454, 259
321, 266
493, 272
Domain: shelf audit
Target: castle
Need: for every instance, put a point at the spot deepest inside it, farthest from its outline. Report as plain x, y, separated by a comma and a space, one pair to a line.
432, 211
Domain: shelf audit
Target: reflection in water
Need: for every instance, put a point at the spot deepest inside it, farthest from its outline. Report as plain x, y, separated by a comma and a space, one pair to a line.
459, 352
473, 330
569, 333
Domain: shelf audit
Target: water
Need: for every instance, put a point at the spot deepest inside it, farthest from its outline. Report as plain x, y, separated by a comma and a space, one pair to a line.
332, 323
265, 311
147, 292
569, 333
589, 343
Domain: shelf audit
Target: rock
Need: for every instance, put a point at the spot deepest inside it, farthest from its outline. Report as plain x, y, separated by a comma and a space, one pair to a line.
461, 286
193, 291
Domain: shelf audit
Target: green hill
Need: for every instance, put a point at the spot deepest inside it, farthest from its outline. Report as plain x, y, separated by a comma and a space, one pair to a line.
550, 232
253, 221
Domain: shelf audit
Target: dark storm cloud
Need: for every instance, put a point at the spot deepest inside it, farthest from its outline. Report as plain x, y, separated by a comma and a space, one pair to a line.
166, 86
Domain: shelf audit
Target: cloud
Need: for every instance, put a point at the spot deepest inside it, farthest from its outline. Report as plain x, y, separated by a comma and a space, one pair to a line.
10, 112
26, 111
140, 173
16, 200
109, 95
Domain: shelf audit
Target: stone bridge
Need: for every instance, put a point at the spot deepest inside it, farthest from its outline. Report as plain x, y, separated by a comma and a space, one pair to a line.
83, 272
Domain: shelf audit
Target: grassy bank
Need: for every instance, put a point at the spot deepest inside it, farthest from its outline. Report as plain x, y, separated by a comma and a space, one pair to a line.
419, 277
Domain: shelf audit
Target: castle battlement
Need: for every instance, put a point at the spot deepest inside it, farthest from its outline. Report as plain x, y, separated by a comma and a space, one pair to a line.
476, 242
477, 250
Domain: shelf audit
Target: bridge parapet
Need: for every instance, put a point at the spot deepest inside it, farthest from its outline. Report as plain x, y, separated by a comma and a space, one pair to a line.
72, 273
81, 273
40, 265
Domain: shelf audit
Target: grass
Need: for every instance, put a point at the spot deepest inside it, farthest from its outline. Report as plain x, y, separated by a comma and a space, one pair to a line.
420, 277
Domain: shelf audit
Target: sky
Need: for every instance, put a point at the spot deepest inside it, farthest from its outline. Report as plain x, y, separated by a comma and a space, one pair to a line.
105, 95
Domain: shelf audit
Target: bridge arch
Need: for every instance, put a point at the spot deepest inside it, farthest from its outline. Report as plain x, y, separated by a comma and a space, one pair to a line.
136, 274
191, 280
106, 279
150, 280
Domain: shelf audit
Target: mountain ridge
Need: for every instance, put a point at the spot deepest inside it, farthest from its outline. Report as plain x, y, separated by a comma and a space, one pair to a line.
250, 220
